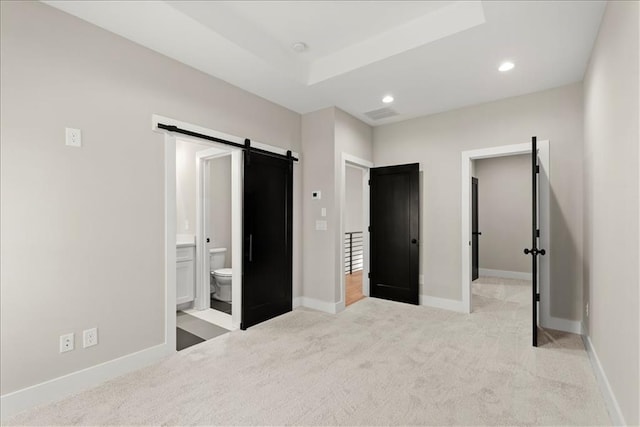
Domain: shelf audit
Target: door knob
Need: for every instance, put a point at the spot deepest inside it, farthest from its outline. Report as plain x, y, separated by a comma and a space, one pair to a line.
414, 241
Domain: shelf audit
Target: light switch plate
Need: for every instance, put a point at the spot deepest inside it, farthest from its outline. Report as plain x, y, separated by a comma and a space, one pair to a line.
323, 212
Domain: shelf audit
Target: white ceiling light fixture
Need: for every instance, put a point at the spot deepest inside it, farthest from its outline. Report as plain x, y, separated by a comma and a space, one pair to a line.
388, 99
299, 47
506, 66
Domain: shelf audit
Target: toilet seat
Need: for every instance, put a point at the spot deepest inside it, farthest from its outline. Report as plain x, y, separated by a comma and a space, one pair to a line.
223, 272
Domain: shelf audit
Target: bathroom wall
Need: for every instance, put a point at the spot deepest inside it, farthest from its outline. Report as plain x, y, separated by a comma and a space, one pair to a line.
220, 205
219, 194
186, 186
504, 212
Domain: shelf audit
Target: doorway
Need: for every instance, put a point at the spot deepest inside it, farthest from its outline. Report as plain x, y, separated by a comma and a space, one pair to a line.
468, 172
219, 144
354, 234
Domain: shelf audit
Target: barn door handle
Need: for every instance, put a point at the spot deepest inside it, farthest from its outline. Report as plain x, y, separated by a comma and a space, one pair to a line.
250, 247
534, 252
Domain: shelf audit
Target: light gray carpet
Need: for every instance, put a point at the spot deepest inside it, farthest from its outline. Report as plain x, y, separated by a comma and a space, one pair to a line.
377, 363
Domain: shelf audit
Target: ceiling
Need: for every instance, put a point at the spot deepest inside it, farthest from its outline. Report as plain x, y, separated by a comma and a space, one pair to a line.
432, 56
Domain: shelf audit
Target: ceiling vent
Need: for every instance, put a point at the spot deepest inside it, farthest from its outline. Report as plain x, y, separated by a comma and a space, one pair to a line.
381, 113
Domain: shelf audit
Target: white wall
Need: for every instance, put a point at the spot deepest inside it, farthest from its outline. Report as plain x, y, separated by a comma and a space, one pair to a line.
504, 212
82, 230
186, 186
436, 142
220, 205
611, 226
353, 199
326, 134
318, 171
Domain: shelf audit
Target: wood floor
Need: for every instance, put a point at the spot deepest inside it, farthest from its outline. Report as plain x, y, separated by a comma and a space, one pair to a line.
354, 287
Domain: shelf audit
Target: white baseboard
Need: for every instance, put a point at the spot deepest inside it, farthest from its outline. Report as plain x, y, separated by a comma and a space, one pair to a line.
316, 304
559, 324
518, 275
444, 303
66, 385
615, 413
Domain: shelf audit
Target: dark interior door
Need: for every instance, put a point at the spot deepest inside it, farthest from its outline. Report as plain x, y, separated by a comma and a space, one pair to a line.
394, 233
267, 238
475, 234
535, 236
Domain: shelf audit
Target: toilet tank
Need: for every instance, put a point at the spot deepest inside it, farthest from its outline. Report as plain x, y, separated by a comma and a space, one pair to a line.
216, 258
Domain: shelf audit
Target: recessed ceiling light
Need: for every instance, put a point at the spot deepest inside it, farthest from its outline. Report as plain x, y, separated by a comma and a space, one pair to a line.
299, 47
506, 66
387, 99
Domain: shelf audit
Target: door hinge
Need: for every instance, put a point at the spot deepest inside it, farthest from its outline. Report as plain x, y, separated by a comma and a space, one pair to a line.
538, 297
369, 182
537, 169
369, 275
369, 229
538, 233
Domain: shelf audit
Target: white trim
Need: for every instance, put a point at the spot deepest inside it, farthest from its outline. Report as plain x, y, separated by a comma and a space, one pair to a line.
66, 385
364, 165
443, 303
615, 413
505, 274
236, 237
170, 215
467, 158
316, 304
565, 325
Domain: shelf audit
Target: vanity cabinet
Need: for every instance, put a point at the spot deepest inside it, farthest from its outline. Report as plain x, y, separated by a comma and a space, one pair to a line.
185, 274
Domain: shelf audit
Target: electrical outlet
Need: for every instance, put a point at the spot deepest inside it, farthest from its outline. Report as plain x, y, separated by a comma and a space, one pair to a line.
66, 342
90, 337
73, 137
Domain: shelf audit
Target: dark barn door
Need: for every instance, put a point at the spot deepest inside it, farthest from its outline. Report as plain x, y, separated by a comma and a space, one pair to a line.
394, 233
475, 234
535, 236
267, 238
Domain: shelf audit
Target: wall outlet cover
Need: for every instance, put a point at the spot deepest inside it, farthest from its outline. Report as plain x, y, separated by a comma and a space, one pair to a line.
90, 337
66, 342
73, 137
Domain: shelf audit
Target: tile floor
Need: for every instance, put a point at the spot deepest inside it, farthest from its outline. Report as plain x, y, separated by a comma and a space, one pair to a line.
191, 331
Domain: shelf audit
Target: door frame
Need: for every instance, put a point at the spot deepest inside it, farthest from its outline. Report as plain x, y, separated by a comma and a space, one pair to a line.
170, 213
467, 171
364, 165
202, 301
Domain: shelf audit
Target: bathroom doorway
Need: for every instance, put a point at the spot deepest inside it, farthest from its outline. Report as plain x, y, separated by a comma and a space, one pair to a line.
217, 230
218, 233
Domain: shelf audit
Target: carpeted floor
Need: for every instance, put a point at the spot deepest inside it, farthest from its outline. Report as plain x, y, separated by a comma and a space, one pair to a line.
377, 363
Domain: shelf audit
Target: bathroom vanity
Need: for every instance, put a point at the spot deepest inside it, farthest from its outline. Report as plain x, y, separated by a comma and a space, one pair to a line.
185, 271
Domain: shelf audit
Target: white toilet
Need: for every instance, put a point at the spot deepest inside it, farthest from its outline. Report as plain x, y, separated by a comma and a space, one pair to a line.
220, 279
